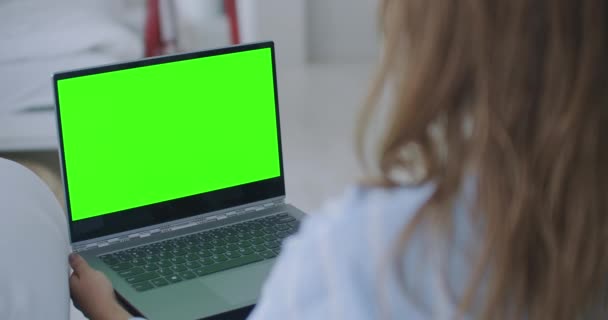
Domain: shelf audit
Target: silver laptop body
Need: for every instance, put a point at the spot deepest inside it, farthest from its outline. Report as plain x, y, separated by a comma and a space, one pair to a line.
205, 255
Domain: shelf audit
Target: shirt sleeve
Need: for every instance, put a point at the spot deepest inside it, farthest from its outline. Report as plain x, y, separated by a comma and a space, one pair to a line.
34, 246
330, 268
302, 283
297, 279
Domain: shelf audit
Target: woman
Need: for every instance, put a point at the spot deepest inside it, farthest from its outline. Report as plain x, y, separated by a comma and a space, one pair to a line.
498, 117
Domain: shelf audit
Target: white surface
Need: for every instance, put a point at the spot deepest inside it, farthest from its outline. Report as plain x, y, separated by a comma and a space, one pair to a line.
319, 105
278, 20
28, 131
201, 25
39, 38
342, 31
34, 278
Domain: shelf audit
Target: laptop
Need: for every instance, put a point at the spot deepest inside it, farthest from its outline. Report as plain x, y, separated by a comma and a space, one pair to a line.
174, 178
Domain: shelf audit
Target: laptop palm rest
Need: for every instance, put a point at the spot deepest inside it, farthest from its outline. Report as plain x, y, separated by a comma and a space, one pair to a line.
238, 286
213, 294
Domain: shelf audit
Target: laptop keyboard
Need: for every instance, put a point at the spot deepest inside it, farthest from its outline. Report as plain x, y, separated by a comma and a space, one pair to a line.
195, 255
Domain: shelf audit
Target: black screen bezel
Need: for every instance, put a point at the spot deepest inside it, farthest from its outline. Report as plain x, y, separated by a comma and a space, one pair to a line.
112, 223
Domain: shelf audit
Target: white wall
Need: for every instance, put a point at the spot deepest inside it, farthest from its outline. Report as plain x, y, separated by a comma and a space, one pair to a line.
318, 31
342, 31
280, 20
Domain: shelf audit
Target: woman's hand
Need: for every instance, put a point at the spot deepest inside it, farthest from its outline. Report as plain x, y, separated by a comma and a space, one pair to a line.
92, 292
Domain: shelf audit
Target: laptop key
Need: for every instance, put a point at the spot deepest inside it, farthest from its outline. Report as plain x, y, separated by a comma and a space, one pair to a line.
269, 230
207, 246
233, 263
200, 272
232, 239
192, 265
131, 272
257, 233
152, 251
152, 258
245, 251
165, 264
244, 243
243, 236
273, 244
270, 237
143, 286
218, 250
283, 234
187, 275
167, 247
204, 253
232, 247
122, 266
142, 277
232, 254
165, 272
268, 254
218, 242
259, 248
110, 260
151, 267
159, 282
138, 254
207, 261
192, 249
124, 257
177, 260
174, 278
219, 258
138, 261
179, 252
165, 255
179, 268
192, 257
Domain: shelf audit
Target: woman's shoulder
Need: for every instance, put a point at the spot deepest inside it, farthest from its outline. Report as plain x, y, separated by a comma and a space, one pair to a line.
367, 214
359, 232
327, 270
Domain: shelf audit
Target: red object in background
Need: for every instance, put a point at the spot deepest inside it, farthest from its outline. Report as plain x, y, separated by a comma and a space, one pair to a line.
230, 6
155, 44
152, 36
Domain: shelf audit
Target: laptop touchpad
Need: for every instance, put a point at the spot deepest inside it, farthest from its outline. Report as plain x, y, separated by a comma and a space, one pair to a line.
239, 286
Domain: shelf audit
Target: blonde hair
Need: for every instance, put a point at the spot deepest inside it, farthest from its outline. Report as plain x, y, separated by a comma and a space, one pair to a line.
530, 77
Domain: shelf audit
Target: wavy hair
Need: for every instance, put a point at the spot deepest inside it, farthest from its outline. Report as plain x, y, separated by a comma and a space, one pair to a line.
515, 94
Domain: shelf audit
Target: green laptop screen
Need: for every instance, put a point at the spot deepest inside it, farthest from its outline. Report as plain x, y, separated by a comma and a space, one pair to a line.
149, 134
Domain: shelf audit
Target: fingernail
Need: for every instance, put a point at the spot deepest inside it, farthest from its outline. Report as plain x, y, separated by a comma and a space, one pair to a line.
72, 256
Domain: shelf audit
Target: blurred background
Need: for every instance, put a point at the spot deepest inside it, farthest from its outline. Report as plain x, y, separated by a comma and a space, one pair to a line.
326, 52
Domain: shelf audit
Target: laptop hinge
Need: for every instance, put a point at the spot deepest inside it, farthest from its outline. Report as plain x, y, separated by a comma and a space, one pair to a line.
176, 225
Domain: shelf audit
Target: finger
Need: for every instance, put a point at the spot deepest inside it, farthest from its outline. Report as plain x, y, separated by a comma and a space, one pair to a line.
79, 265
73, 282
